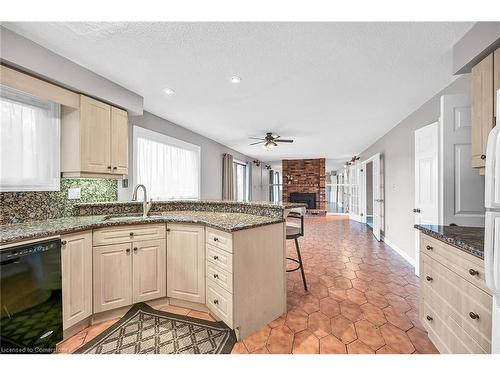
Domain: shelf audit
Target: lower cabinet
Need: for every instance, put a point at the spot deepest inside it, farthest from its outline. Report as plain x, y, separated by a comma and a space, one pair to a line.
149, 268
455, 306
186, 262
128, 272
76, 259
112, 276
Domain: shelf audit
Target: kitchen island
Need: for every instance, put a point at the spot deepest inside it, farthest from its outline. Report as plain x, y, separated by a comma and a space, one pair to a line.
223, 257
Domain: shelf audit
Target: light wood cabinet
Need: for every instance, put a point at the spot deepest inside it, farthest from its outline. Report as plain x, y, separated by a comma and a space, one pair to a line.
455, 304
76, 259
112, 276
94, 140
149, 267
485, 78
186, 262
119, 141
129, 265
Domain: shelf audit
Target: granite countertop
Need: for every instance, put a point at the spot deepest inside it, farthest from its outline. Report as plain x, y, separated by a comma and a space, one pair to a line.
468, 239
225, 221
263, 204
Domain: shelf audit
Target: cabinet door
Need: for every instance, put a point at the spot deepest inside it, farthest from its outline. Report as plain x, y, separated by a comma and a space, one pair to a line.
482, 109
112, 276
150, 265
186, 262
76, 259
119, 141
95, 133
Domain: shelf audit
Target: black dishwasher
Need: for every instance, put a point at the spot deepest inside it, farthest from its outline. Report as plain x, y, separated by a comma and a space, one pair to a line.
31, 298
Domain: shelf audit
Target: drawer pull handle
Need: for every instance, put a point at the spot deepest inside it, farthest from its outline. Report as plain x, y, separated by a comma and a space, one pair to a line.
216, 239
429, 318
135, 248
216, 276
127, 250
64, 243
428, 278
429, 247
131, 234
474, 272
473, 315
216, 302
483, 157
216, 257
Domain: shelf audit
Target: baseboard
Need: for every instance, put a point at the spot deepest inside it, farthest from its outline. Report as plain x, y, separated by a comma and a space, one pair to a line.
399, 251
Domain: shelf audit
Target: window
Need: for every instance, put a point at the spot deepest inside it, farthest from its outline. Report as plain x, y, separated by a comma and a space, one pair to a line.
29, 142
168, 167
240, 181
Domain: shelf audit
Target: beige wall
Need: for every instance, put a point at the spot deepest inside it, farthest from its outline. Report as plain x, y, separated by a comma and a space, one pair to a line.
398, 169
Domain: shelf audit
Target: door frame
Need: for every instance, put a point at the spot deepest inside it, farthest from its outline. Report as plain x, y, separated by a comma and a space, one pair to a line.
371, 159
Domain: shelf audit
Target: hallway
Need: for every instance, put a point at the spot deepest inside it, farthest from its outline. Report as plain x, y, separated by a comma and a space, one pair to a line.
363, 297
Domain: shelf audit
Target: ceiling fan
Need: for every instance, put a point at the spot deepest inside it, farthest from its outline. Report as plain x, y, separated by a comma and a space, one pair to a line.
270, 141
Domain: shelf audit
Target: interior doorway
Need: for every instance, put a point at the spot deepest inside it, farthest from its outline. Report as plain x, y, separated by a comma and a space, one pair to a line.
369, 194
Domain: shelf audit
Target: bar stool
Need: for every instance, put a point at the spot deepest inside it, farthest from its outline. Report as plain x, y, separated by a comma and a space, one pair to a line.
293, 232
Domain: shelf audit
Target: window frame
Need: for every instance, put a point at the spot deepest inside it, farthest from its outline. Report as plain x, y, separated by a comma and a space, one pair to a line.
55, 108
246, 187
138, 131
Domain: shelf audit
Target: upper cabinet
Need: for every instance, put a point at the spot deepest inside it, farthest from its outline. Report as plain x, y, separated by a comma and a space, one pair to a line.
485, 82
94, 140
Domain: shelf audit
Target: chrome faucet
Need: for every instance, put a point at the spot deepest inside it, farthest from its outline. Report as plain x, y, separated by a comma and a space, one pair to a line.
146, 206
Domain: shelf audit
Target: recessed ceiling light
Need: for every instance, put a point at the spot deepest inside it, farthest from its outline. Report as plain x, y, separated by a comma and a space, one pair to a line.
235, 79
168, 91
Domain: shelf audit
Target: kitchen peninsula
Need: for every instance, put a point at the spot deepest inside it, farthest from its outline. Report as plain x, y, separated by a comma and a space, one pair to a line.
224, 257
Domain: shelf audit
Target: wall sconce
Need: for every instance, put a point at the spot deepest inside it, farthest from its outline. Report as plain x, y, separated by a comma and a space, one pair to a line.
268, 167
289, 179
257, 163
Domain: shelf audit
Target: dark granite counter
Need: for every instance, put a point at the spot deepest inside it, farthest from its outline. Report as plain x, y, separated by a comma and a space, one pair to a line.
225, 221
468, 239
267, 209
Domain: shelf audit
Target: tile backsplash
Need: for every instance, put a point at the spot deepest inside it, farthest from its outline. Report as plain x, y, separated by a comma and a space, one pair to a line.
38, 205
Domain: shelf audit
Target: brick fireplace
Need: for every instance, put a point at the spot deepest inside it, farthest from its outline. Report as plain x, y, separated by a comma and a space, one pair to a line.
305, 176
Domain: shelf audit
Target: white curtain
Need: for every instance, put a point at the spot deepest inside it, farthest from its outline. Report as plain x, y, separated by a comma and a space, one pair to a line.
29, 143
168, 171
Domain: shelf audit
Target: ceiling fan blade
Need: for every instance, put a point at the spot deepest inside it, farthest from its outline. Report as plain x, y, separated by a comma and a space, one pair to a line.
256, 143
276, 137
283, 140
260, 139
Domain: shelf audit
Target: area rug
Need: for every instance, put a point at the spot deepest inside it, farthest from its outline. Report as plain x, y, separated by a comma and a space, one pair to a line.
144, 330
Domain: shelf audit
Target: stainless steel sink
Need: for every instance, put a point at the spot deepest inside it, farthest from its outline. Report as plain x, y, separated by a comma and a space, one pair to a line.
129, 217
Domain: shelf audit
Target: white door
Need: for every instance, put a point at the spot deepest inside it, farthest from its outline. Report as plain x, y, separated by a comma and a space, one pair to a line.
355, 192
463, 187
426, 180
377, 197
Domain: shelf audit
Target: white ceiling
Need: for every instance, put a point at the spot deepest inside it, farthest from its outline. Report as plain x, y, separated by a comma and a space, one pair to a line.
333, 87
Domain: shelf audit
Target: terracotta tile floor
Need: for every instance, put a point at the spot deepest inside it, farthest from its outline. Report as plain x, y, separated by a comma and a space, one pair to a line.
362, 298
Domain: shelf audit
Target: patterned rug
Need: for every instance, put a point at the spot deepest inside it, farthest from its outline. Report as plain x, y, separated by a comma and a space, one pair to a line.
144, 330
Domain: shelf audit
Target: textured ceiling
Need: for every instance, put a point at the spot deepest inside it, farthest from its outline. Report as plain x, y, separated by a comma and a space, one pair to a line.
333, 87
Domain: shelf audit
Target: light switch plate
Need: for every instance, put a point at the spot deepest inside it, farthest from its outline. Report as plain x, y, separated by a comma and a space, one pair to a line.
74, 193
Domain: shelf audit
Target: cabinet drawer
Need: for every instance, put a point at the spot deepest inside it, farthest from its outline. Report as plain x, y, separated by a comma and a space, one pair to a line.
128, 233
467, 266
458, 300
220, 277
220, 302
220, 239
443, 330
220, 258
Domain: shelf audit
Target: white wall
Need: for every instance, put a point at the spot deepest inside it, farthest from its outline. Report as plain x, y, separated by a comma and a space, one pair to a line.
398, 169
211, 154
